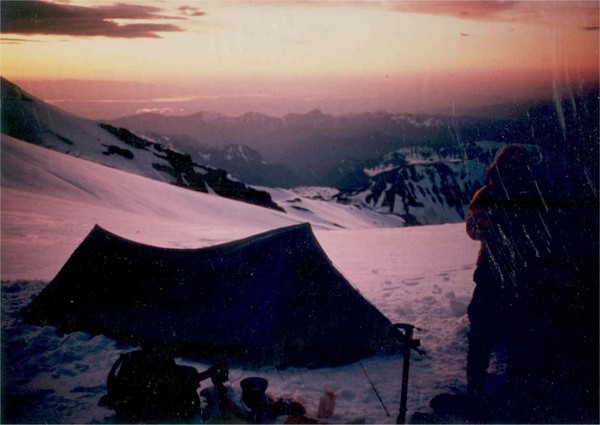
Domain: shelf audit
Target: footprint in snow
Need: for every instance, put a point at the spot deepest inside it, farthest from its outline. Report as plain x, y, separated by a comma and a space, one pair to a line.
458, 307
413, 281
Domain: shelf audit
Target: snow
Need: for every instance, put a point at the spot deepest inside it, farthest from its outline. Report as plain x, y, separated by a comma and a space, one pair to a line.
50, 201
372, 172
317, 192
322, 213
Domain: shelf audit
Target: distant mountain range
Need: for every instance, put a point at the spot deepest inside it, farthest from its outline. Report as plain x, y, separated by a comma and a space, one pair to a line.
307, 149
422, 168
30, 119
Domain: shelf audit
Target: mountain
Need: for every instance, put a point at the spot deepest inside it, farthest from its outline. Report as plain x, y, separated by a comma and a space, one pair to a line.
420, 169
30, 119
310, 145
313, 145
250, 167
241, 161
415, 184
310, 148
185, 163
424, 185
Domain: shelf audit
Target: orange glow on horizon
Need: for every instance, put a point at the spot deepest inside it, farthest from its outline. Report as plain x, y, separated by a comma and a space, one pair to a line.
287, 49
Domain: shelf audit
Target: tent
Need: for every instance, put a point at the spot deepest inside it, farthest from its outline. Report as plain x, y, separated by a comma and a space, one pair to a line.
273, 298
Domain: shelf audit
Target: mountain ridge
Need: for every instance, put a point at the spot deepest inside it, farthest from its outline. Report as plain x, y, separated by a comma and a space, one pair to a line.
420, 168
32, 120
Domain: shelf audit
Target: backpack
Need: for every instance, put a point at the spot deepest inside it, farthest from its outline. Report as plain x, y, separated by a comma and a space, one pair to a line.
147, 385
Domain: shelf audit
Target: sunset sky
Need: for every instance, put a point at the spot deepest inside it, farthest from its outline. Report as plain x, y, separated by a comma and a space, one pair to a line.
279, 57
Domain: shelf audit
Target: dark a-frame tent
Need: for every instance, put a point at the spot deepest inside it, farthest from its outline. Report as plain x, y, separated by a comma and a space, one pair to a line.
274, 298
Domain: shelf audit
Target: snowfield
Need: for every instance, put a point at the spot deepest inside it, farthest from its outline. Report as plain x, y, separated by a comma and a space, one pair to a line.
50, 201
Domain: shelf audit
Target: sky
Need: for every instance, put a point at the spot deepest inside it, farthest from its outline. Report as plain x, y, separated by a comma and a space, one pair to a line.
103, 59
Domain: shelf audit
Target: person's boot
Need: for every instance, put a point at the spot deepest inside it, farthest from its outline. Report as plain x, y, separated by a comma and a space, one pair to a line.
476, 383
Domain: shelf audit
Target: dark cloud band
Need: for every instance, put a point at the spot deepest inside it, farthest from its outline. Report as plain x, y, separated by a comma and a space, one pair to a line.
474, 10
38, 17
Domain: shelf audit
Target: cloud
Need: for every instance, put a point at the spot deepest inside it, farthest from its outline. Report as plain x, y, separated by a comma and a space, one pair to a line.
10, 40
162, 111
191, 11
39, 17
592, 28
546, 12
474, 10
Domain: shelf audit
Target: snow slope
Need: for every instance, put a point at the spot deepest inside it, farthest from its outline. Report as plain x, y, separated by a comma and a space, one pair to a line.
50, 201
432, 192
73, 195
32, 120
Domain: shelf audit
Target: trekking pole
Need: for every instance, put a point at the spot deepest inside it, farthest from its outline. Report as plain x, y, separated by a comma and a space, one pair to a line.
408, 344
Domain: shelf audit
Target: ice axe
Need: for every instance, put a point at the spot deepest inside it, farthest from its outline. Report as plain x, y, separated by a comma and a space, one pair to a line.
408, 343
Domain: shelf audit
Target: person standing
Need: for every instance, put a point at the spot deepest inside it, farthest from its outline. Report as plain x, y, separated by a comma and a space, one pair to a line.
505, 216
